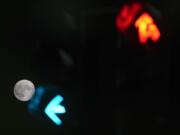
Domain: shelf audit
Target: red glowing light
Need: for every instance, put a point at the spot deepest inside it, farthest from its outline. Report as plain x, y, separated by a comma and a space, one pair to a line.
127, 16
147, 28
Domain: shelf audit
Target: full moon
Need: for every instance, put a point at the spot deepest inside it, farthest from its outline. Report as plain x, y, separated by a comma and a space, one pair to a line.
24, 90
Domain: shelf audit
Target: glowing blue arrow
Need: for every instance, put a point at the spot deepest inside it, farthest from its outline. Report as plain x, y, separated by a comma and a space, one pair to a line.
54, 108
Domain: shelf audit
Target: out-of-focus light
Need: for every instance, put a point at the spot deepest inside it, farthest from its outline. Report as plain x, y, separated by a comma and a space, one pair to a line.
53, 108
147, 28
35, 101
127, 15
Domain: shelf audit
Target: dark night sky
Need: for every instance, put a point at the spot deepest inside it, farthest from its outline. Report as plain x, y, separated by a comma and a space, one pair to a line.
31, 34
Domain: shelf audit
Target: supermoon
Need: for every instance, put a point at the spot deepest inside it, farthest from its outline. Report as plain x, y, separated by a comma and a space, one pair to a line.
24, 90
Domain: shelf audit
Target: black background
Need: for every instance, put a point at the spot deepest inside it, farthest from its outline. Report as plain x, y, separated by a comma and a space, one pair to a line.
106, 88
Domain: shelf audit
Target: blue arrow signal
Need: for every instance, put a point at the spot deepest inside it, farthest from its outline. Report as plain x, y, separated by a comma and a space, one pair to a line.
53, 108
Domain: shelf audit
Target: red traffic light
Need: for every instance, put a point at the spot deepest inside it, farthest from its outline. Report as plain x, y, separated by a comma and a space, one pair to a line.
127, 15
147, 29
136, 19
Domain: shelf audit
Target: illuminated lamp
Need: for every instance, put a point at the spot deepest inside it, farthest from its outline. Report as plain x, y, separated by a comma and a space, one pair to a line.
147, 29
127, 16
53, 108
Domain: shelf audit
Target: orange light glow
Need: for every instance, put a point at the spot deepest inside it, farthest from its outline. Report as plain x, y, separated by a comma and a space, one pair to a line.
127, 16
147, 28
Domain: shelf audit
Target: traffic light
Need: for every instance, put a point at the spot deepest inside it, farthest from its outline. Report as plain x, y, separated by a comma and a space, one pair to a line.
53, 108
47, 105
139, 23
147, 29
127, 16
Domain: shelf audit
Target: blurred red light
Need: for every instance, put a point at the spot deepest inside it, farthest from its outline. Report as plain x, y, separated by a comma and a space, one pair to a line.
147, 28
127, 15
